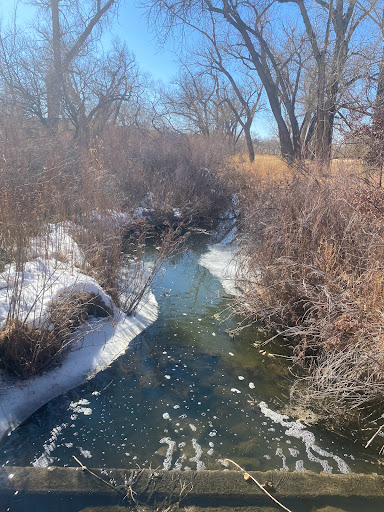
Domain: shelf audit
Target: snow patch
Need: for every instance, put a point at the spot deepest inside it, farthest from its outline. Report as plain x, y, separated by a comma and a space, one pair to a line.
102, 341
220, 261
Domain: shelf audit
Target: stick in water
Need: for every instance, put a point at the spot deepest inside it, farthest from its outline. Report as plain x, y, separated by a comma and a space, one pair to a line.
84, 468
374, 435
260, 486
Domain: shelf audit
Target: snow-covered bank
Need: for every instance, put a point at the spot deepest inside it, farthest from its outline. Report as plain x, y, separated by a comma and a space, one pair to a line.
220, 260
105, 341
96, 345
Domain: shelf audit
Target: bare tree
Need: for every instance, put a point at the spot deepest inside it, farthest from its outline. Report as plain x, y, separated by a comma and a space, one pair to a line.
67, 40
249, 23
219, 57
288, 51
201, 102
42, 65
96, 86
330, 43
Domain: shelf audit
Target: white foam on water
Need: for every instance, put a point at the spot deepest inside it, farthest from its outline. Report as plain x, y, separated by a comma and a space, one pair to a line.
168, 456
85, 453
298, 430
45, 458
197, 458
299, 466
279, 453
83, 401
179, 462
77, 408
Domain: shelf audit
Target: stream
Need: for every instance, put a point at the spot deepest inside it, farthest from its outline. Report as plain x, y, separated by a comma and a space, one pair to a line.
185, 395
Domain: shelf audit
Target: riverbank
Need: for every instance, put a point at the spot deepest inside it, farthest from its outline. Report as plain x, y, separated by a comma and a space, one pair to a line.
311, 248
59, 327
104, 342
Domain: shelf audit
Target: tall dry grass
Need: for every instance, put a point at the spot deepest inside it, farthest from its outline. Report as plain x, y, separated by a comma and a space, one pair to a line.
47, 181
167, 171
313, 254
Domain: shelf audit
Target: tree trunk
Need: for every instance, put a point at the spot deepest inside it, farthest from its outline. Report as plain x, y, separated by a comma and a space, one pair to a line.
54, 77
248, 138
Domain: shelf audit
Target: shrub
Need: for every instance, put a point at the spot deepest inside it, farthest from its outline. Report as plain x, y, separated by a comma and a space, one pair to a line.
26, 350
173, 170
313, 255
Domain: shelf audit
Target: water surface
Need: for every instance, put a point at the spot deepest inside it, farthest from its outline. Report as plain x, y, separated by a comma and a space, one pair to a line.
186, 395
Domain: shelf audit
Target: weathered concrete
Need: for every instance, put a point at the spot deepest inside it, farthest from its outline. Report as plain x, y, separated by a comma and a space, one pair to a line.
72, 490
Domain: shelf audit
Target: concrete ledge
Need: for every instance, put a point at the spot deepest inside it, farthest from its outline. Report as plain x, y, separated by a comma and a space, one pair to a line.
224, 490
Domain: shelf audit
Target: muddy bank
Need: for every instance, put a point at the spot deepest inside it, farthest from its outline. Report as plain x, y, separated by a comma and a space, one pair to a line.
72, 490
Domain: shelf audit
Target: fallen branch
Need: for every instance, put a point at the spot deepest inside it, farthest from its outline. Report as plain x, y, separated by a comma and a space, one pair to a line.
262, 488
374, 435
84, 468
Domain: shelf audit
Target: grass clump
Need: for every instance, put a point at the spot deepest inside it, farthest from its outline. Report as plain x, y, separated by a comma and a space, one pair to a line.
27, 350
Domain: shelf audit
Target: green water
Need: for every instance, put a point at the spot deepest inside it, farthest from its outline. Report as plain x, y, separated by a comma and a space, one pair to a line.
185, 396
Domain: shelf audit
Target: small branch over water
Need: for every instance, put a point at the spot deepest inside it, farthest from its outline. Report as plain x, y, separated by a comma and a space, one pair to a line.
261, 487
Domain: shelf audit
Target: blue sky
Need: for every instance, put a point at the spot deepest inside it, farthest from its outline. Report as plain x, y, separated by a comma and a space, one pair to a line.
132, 27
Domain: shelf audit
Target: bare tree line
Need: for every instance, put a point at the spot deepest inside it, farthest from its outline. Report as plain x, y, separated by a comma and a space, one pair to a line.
320, 62
56, 70
316, 66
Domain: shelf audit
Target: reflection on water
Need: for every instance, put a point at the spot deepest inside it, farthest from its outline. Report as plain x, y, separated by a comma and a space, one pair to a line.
185, 396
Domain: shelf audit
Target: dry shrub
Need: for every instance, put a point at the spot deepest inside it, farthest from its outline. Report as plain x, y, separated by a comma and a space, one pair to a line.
171, 169
139, 275
27, 350
313, 252
47, 180
345, 386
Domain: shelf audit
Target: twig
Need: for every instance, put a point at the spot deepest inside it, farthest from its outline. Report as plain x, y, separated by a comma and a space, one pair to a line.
374, 435
84, 468
260, 486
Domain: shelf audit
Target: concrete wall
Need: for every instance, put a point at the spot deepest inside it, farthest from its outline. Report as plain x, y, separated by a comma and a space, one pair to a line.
73, 489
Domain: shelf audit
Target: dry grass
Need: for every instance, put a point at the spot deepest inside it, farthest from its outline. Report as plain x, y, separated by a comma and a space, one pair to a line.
26, 350
313, 252
265, 170
46, 181
167, 170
